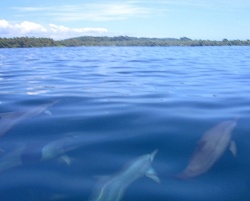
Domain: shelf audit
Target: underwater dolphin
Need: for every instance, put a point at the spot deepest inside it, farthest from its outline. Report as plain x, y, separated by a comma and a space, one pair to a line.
113, 188
210, 148
10, 119
39, 151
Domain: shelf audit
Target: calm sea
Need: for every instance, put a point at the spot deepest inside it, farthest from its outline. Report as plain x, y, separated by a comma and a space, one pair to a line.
111, 105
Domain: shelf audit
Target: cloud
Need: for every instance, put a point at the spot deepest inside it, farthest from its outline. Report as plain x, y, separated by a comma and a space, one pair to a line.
61, 32
25, 28
58, 29
88, 11
30, 27
54, 31
4, 24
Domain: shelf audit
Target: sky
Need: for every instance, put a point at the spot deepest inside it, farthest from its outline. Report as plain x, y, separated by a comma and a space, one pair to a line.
60, 19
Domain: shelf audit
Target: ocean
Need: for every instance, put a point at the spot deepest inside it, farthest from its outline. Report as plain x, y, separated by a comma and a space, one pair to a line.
75, 120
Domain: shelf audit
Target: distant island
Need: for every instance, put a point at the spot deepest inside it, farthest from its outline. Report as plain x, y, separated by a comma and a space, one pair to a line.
24, 42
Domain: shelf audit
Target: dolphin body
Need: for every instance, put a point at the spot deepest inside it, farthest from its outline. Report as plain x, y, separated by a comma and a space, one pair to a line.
25, 154
210, 148
113, 188
10, 119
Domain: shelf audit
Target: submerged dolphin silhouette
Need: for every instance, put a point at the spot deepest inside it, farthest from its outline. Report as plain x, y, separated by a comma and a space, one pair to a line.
40, 151
9, 119
113, 188
210, 148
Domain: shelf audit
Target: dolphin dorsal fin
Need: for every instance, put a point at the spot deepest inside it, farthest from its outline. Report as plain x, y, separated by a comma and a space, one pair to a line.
66, 159
48, 112
233, 148
150, 172
152, 155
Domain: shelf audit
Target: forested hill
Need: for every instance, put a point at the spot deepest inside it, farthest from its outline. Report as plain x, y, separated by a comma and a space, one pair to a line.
133, 41
114, 41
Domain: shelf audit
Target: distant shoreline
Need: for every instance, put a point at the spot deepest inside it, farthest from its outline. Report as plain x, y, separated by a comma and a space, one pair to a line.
26, 42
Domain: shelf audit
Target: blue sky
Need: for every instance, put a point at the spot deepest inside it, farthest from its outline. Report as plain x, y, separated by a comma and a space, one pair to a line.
58, 19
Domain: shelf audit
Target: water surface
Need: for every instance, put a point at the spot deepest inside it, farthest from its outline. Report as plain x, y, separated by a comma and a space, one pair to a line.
125, 102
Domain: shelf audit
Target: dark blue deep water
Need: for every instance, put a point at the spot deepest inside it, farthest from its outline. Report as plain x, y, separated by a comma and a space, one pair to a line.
117, 104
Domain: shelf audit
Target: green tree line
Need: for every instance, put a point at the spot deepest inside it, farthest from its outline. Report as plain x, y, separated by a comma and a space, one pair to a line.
21, 42
134, 41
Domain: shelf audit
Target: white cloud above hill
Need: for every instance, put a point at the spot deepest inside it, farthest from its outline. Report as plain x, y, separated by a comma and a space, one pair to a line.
31, 29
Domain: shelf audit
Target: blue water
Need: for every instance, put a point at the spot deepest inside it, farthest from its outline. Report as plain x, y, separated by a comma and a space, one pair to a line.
125, 102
